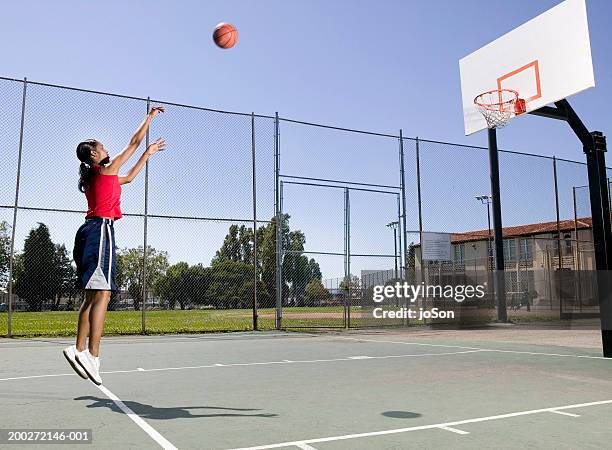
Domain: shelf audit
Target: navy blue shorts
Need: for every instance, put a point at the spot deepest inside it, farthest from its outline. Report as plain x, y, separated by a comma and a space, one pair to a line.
94, 255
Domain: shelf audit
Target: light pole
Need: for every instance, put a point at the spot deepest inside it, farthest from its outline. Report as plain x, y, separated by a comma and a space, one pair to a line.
394, 226
486, 200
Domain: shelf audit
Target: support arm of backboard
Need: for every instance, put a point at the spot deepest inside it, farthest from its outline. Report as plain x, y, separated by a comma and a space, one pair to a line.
550, 113
576, 124
564, 111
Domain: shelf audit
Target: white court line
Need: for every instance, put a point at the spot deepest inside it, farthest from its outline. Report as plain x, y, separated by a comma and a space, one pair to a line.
162, 441
406, 343
38, 376
566, 413
480, 349
264, 363
454, 430
21, 343
304, 446
122, 340
424, 427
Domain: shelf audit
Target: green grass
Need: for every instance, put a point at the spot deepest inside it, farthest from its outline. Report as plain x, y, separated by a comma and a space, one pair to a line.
64, 323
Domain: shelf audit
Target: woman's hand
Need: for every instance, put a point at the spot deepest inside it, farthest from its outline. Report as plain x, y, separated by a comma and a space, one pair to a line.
156, 110
155, 146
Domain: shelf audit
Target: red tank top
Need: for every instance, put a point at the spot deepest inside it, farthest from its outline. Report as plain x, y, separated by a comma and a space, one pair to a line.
103, 196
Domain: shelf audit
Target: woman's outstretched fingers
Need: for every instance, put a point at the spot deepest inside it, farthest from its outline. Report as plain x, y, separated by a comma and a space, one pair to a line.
156, 110
157, 145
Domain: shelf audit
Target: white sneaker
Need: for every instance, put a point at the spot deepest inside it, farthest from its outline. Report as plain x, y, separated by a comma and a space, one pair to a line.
70, 354
91, 365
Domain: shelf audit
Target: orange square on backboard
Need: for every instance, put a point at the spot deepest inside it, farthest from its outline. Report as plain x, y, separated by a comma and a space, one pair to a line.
531, 72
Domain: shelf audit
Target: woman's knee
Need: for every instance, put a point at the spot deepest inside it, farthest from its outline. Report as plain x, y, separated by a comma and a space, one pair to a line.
102, 296
88, 300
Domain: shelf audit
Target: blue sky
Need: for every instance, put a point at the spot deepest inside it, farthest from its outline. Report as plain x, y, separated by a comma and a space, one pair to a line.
378, 66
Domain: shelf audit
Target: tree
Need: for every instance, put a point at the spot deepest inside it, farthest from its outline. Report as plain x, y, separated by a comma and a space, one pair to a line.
315, 270
130, 264
316, 293
17, 269
411, 263
355, 283
5, 253
298, 270
267, 256
232, 284
173, 287
230, 249
198, 279
237, 246
119, 281
245, 238
35, 281
184, 285
63, 275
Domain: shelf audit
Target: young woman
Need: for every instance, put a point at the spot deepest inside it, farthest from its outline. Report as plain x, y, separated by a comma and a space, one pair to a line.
94, 244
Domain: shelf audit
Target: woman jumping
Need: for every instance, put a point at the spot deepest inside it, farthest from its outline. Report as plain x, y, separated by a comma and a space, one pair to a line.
94, 244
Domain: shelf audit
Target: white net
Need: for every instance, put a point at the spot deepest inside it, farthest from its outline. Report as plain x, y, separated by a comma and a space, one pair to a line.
499, 106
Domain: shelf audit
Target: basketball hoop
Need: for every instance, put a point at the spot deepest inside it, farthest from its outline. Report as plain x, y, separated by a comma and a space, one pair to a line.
499, 106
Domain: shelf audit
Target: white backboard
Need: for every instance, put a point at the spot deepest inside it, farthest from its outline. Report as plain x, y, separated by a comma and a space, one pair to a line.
546, 59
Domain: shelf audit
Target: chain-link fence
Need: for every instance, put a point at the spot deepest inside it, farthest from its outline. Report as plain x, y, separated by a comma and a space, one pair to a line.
200, 210
198, 246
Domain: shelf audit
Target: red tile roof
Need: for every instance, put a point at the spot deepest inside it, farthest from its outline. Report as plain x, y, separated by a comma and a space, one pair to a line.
524, 230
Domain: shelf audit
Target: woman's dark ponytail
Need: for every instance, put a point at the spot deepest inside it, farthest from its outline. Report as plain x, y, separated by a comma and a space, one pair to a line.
86, 172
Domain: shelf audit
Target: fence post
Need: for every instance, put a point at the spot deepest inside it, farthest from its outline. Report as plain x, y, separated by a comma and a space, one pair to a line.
577, 254
282, 250
575, 212
418, 174
577, 265
347, 256
16, 206
399, 219
420, 210
403, 190
145, 230
560, 265
346, 300
278, 213
256, 276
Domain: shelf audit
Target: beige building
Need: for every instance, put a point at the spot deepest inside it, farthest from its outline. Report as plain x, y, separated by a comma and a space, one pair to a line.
531, 253
535, 245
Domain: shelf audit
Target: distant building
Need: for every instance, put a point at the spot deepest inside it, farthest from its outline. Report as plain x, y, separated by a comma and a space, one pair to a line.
541, 245
532, 253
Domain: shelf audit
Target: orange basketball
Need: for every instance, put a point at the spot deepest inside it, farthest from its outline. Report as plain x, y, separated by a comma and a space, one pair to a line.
225, 35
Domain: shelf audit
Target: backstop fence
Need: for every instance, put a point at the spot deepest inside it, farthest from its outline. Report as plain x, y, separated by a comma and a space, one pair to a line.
199, 248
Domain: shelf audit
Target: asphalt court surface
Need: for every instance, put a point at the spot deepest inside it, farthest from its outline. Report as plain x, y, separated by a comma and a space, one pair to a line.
341, 390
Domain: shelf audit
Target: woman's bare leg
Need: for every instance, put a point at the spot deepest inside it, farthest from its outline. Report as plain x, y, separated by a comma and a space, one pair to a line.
97, 314
83, 327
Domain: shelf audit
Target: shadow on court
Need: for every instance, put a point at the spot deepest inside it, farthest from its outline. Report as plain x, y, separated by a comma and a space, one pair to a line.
178, 412
401, 414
